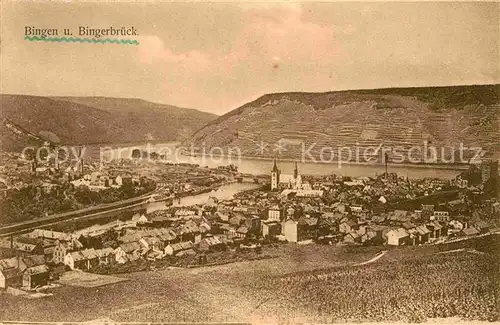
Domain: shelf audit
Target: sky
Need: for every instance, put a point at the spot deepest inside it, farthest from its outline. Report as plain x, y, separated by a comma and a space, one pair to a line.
217, 56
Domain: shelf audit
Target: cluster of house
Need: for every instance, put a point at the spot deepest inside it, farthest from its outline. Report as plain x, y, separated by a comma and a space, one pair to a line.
155, 236
43, 254
188, 231
217, 225
97, 180
331, 210
28, 272
30, 266
363, 215
350, 224
85, 249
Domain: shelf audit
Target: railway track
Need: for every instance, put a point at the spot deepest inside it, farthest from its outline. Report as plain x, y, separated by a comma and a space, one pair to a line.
89, 212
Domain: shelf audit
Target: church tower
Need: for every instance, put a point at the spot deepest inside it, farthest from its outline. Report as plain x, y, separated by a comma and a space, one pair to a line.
275, 177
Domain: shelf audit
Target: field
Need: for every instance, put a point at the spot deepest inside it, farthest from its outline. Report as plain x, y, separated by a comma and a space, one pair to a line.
308, 283
456, 284
88, 280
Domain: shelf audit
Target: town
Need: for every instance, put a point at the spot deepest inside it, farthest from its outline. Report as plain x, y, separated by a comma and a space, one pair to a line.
385, 210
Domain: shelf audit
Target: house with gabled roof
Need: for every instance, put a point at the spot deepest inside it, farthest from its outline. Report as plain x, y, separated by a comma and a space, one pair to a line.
274, 213
134, 236
120, 256
168, 236
152, 232
471, 231
223, 216
11, 262
49, 234
33, 260
178, 248
397, 237
211, 244
75, 260
348, 225
419, 234
436, 229
242, 232
204, 227
399, 216
270, 228
408, 225
105, 255
61, 248
189, 231
26, 248
353, 237
327, 226
374, 234
91, 258
226, 229
482, 226
423, 234
10, 277
133, 250
11, 272
151, 243
379, 219
237, 220
36, 276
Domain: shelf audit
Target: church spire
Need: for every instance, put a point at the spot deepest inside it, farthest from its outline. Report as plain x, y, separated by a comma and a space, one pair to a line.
275, 166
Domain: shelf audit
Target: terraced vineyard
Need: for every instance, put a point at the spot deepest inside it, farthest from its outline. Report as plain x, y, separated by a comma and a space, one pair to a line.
410, 289
393, 118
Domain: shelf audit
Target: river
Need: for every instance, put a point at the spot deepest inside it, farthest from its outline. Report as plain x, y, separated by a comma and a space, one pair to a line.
225, 192
263, 166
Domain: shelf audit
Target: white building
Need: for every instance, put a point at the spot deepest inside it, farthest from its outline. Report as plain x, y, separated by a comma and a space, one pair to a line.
397, 237
274, 213
440, 216
290, 230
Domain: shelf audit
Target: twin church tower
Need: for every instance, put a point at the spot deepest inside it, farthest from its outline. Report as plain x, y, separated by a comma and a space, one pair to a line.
285, 181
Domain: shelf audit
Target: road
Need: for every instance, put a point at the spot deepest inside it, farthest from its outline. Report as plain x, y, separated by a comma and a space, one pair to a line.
379, 255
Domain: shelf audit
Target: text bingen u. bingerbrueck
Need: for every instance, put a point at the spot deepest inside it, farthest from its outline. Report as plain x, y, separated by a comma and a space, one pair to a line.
82, 31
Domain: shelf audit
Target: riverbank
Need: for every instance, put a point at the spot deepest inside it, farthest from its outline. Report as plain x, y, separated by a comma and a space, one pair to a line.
458, 167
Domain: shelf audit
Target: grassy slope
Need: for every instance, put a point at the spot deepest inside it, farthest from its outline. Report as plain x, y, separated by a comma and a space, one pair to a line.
395, 116
101, 120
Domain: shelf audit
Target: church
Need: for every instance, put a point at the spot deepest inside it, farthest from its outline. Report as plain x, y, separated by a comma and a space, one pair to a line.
285, 181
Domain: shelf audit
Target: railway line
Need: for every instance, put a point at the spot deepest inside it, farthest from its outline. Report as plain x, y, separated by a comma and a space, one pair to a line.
89, 212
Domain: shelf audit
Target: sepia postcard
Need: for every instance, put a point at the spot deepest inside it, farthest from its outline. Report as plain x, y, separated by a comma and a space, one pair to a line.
249, 162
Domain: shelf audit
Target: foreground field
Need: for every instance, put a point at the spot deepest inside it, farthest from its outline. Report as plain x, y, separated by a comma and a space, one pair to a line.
89, 280
456, 284
309, 283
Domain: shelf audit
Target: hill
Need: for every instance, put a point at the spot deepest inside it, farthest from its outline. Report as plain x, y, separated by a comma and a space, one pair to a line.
394, 117
14, 136
90, 120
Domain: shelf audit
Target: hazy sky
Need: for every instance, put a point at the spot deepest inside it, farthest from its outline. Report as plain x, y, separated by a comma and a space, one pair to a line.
217, 56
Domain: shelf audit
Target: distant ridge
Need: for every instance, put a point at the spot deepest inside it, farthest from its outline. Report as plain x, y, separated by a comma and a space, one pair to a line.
406, 117
92, 120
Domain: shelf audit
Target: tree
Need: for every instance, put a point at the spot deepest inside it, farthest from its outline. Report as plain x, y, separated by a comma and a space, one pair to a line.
136, 153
